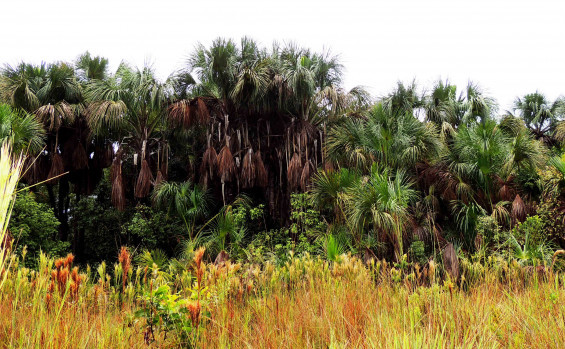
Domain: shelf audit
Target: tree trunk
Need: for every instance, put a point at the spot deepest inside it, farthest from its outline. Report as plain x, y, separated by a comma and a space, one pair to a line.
61, 212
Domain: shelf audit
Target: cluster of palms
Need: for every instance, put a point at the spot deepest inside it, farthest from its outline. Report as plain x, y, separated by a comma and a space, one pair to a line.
238, 118
243, 119
427, 167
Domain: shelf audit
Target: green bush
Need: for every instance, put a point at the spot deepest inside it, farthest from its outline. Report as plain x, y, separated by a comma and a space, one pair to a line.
151, 229
488, 229
104, 229
532, 228
100, 225
34, 225
417, 252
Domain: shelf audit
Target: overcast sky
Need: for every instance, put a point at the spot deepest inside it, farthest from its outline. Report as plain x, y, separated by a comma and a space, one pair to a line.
509, 47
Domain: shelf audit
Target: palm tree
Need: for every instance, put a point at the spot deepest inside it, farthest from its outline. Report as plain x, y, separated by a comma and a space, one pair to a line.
487, 153
477, 105
53, 94
25, 133
186, 200
264, 112
129, 107
447, 109
224, 232
330, 188
444, 108
91, 68
479, 152
404, 99
60, 97
19, 85
380, 203
540, 115
395, 140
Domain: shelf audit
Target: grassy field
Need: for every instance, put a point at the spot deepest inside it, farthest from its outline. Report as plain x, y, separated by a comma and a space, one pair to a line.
305, 303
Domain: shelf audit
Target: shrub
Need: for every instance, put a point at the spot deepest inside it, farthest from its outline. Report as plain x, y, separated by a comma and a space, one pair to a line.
532, 228
417, 252
34, 225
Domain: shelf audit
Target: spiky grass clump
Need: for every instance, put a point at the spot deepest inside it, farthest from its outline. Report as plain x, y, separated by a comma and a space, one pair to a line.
10, 169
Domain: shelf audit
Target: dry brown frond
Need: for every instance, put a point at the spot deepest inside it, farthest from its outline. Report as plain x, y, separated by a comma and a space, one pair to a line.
294, 172
118, 193
103, 156
209, 164
450, 261
57, 168
116, 168
221, 258
53, 116
261, 175
248, 170
203, 113
506, 190
519, 210
183, 113
36, 169
164, 169
159, 178
79, 158
306, 174
144, 180
226, 164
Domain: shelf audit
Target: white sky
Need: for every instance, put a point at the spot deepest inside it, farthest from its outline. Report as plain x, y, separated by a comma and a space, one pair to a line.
509, 47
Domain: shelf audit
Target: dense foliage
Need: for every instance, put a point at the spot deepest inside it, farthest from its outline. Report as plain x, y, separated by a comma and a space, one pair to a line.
260, 154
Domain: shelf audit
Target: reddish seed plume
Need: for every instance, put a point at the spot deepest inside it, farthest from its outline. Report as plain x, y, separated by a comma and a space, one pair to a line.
125, 260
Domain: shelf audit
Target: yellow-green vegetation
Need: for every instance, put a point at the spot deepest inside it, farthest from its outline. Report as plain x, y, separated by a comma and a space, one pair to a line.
308, 302
9, 175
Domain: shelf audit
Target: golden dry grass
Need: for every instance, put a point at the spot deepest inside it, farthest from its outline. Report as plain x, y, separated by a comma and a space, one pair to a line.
308, 303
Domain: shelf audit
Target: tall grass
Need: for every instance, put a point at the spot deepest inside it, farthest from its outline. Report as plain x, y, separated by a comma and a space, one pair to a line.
307, 303
10, 169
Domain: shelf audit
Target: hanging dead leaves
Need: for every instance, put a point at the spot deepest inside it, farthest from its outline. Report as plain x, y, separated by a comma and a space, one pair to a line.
187, 113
